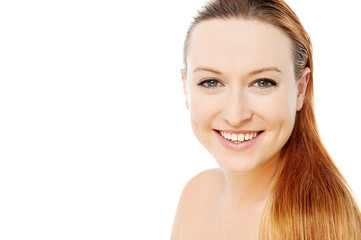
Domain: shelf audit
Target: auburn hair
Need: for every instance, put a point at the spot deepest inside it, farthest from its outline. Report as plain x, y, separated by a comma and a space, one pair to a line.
310, 199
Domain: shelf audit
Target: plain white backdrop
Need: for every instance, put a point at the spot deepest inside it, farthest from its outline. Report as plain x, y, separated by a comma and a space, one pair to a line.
95, 139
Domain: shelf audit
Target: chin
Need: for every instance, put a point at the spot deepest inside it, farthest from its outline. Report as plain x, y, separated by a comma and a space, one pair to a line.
239, 166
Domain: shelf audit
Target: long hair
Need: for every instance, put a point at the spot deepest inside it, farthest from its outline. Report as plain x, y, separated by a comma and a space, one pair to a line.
310, 199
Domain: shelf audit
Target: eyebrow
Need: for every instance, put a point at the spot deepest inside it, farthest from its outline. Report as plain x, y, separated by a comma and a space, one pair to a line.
265, 70
261, 70
198, 69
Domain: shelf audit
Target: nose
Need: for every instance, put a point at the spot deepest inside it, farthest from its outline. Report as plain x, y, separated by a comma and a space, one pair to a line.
237, 108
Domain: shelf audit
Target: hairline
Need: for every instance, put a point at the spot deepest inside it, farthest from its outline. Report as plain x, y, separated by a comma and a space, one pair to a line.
227, 18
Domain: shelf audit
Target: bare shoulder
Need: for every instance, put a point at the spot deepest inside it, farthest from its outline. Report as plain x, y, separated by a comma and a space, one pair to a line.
196, 196
202, 183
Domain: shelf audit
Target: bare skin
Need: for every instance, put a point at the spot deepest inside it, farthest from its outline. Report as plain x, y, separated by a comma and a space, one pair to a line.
240, 79
220, 205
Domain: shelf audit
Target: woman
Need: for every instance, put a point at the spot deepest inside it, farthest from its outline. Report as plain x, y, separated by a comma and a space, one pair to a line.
248, 83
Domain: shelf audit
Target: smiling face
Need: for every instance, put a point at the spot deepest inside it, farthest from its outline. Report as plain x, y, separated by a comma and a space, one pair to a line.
241, 91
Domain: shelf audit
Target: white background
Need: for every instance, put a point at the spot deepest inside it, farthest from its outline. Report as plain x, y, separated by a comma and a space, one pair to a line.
95, 140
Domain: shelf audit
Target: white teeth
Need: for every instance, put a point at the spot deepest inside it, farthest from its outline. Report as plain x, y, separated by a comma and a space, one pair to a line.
238, 137
246, 137
229, 136
234, 137
252, 135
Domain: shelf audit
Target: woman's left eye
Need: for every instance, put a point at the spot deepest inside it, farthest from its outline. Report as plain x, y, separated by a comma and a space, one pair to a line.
264, 83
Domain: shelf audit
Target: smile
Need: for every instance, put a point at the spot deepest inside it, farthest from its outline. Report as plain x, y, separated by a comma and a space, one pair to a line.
238, 138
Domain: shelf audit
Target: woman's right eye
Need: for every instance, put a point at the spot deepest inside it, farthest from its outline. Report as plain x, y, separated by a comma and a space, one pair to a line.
210, 83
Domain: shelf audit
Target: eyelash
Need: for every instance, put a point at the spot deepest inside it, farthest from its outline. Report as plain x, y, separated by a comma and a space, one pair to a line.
202, 83
264, 80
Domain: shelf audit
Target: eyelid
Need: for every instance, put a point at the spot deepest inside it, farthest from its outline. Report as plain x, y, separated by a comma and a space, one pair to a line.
269, 80
202, 81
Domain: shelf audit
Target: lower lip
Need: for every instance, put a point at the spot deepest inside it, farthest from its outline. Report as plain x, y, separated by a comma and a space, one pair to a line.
237, 146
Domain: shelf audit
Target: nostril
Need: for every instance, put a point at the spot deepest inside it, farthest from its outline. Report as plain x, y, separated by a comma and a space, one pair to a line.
236, 113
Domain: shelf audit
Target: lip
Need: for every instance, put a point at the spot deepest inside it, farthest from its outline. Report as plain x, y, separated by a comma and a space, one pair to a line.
238, 146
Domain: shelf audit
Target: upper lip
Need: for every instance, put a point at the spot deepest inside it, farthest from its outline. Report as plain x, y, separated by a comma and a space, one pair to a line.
238, 131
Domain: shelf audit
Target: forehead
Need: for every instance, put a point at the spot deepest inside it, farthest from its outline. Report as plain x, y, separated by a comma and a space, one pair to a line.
238, 44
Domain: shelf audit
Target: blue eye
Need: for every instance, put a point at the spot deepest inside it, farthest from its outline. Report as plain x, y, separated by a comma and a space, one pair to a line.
210, 83
264, 83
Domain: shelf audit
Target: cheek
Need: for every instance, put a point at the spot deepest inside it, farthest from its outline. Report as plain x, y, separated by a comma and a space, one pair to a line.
278, 110
203, 108
198, 114
200, 117
201, 122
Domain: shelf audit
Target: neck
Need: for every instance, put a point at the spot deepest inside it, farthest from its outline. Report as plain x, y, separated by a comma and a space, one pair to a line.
245, 189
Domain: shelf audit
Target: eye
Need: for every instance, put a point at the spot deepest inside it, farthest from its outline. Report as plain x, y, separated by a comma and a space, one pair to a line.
210, 83
264, 83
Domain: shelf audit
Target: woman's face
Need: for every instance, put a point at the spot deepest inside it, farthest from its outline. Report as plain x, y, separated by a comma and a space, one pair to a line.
241, 91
